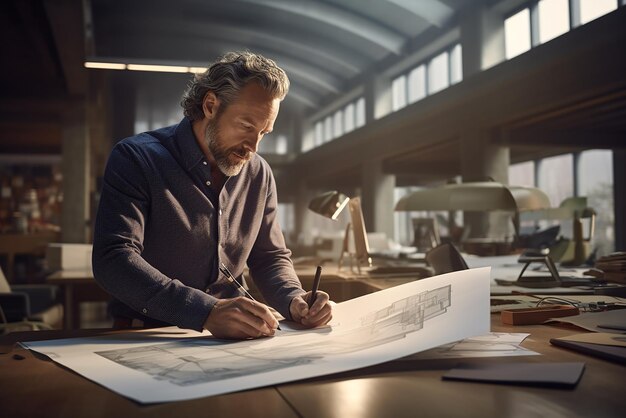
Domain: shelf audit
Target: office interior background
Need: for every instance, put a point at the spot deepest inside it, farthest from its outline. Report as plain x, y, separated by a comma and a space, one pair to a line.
387, 97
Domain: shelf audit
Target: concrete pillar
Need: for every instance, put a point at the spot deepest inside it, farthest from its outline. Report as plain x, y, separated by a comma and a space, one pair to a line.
482, 39
377, 198
378, 101
619, 199
481, 160
76, 173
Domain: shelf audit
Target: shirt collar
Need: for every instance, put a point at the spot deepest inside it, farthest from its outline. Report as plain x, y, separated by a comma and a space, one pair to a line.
190, 151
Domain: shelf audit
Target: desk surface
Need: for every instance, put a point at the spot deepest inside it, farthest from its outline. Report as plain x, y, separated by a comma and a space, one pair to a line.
36, 386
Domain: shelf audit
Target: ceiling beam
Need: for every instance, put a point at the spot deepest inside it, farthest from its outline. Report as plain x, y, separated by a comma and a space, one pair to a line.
340, 19
345, 60
434, 12
67, 24
35, 37
575, 138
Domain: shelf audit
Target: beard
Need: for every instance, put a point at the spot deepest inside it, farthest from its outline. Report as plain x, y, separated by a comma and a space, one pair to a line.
227, 159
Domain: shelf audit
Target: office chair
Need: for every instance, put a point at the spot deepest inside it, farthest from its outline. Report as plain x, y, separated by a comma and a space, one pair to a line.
445, 258
31, 307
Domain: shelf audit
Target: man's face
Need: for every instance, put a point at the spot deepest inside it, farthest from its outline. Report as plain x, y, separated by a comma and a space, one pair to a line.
234, 134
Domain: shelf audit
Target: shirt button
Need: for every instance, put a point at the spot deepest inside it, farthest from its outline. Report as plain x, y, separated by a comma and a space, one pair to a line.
208, 183
220, 212
204, 163
144, 310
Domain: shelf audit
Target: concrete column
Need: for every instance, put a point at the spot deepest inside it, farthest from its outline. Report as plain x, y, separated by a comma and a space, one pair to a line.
482, 39
377, 98
303, 224
377, 198
619, 199
481, 160
76, 173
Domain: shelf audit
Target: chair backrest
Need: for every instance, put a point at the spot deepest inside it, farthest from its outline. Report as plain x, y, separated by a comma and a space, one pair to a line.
445, 258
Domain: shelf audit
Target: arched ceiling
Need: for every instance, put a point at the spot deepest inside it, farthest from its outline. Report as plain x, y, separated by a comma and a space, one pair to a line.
322, 44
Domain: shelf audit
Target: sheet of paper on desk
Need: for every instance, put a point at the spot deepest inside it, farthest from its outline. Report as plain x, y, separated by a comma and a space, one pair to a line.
494, 344
156, 366
607, 321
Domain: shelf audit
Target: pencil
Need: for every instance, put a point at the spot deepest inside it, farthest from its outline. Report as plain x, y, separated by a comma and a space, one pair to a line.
316, 285
234, 282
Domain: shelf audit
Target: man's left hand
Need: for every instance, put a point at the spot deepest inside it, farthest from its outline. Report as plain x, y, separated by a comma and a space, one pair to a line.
318, 314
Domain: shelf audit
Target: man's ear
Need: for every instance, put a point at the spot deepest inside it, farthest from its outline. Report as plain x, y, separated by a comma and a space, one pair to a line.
210, 104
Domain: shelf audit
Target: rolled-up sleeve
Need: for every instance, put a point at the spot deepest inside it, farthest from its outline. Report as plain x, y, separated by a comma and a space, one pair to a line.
118, 265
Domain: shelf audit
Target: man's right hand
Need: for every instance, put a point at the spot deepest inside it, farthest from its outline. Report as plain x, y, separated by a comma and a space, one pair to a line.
240, 318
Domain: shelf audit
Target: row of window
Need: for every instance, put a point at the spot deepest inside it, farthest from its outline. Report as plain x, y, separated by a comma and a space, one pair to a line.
341, 122
538, 22
543, 20
588, 173
433, 75
429, 77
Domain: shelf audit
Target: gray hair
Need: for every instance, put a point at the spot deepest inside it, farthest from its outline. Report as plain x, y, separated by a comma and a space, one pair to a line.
228, 75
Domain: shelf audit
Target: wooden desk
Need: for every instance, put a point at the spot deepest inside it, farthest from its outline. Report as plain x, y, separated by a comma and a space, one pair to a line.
36, 386
77, 286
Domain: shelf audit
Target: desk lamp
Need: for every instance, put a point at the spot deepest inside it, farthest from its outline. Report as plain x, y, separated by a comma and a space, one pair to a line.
476, 196
330, 205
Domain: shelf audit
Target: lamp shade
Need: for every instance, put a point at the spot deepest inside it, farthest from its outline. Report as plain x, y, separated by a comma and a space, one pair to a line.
477, 196
329, 204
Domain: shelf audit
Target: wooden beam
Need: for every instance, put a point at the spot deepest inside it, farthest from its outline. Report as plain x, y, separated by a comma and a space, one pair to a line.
572, 138
67, 24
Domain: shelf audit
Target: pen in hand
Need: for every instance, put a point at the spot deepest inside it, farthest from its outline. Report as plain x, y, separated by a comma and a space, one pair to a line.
316, 285
234, 282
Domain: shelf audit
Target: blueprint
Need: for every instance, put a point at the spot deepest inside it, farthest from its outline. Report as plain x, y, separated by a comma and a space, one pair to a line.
190, 362
170, 364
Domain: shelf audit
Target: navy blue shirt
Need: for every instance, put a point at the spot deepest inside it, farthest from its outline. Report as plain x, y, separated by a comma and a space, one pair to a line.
161, 231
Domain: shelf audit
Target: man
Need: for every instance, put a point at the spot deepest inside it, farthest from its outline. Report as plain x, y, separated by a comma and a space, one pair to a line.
179, 201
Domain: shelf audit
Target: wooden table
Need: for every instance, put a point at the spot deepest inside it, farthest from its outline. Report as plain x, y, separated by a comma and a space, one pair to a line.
77, 286
36, 386
14, 244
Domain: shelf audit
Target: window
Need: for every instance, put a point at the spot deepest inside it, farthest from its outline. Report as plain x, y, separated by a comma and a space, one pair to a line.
281, 145
348, 118
438, 73
360, 112
319, 134
553, 19
595, 181
398, 93
593, 9
338, 123
517, 33
286, 220
522, 174
593, 177
456, 64
273, 144
544, 20
556, 177
417, 84
328, 128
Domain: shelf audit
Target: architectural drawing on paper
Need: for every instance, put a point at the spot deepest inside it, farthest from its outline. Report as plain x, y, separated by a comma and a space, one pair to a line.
202, 360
